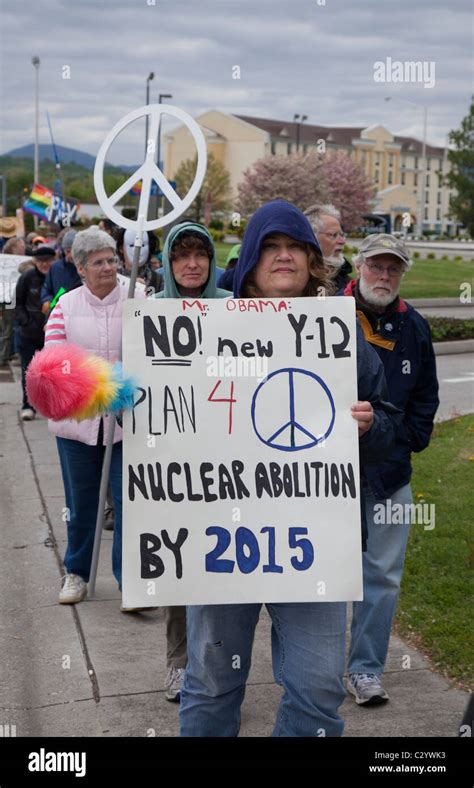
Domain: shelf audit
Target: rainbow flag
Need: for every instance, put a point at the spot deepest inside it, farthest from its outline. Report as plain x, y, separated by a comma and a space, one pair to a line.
39, 201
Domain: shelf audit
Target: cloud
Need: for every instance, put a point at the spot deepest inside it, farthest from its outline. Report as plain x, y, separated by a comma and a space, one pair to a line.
294, 57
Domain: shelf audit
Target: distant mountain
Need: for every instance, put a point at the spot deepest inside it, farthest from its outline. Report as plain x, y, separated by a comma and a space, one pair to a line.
66, 156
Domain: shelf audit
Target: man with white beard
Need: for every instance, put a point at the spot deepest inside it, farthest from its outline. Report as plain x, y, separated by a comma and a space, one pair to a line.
326, 223
402, 339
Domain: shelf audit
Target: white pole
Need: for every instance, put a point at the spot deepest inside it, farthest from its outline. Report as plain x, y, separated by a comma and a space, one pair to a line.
109, 444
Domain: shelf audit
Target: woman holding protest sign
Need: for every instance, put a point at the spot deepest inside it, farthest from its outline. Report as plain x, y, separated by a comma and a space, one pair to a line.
189, 269
280, 258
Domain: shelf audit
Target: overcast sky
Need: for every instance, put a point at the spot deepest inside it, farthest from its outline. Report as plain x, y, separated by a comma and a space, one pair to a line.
294, 56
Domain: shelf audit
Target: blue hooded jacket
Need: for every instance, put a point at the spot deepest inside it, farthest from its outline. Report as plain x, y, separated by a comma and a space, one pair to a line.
280, 216
277, 216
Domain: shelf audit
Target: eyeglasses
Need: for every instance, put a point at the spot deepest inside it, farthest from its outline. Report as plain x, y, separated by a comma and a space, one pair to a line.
113, 261
391, 270
333, 236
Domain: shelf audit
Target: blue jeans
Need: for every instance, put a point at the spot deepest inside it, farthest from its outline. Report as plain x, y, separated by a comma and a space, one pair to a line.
308, 650
27, 349
81, 467
382, 567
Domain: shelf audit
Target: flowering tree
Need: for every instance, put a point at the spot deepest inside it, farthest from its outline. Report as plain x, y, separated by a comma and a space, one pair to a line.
347, 187
295, 178
332, 177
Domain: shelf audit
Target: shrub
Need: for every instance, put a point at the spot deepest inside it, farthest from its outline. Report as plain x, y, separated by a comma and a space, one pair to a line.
216, 224
416, 255
444, 329
217, 235
431, 256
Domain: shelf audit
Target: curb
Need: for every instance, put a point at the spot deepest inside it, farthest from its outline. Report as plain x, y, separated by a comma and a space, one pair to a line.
450, 348
417, 302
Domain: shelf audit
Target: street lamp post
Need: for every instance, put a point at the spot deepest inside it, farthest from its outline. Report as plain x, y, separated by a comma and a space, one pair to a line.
148, 80
161, 96
36, 63
421, 190
158, 199
296, 119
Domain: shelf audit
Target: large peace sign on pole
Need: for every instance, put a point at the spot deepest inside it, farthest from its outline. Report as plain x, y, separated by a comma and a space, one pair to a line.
149, 171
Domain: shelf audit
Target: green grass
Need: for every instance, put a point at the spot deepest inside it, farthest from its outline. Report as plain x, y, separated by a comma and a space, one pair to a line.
427, 279
222, 251
437, 589
436, 278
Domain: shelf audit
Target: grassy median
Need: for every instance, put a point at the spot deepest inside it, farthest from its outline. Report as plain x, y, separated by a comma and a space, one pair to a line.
435, 608
427, 279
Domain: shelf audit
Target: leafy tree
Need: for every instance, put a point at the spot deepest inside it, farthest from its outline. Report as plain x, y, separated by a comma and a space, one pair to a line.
216, 184
461, 177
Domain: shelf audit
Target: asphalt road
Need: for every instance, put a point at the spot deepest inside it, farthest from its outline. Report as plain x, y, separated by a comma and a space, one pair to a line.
456, 384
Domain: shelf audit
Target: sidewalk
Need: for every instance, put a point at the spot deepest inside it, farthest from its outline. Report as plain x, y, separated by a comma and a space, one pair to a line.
90, 670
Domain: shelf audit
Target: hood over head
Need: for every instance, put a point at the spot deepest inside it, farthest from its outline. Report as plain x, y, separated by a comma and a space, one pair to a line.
277, 216
170, 289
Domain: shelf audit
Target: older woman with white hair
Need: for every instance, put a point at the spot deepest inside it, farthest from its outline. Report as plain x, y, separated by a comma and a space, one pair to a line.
91, 317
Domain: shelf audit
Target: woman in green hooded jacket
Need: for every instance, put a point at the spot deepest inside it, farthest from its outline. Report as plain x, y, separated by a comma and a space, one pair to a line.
189, 263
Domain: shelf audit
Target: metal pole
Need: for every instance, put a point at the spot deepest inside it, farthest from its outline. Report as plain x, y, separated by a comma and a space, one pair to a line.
36, 63
104, 481
150, 76
423, 167
146, 118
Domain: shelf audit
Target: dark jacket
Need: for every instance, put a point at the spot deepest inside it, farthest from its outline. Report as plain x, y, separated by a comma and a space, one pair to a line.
343, 276
61, 274
402, 339
280, 216
28, 306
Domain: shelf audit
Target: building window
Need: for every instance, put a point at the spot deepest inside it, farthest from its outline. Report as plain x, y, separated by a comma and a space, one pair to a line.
289, 147
415, 179
403, 178
416, 162
390, 177
439, 198
273, 148
376, 176
390, 160
426, 213
427, 197
438, 214
428, 164
427, 180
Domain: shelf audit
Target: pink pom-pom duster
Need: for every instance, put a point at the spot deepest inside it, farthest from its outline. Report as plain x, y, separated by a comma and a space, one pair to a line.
60, 381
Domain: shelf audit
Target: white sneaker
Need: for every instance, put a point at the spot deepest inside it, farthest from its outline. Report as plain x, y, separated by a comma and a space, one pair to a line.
174, 684
27, 414
74, 590
367, 689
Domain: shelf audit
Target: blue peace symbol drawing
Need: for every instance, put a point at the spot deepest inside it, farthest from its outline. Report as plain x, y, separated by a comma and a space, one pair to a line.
280, 397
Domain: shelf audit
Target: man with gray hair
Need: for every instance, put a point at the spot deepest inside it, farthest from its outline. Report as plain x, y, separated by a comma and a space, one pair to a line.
326, 223
62, 276
402, 339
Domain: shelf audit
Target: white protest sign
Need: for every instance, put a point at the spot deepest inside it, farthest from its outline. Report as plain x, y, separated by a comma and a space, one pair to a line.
241, 475
149, 171
9, 276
